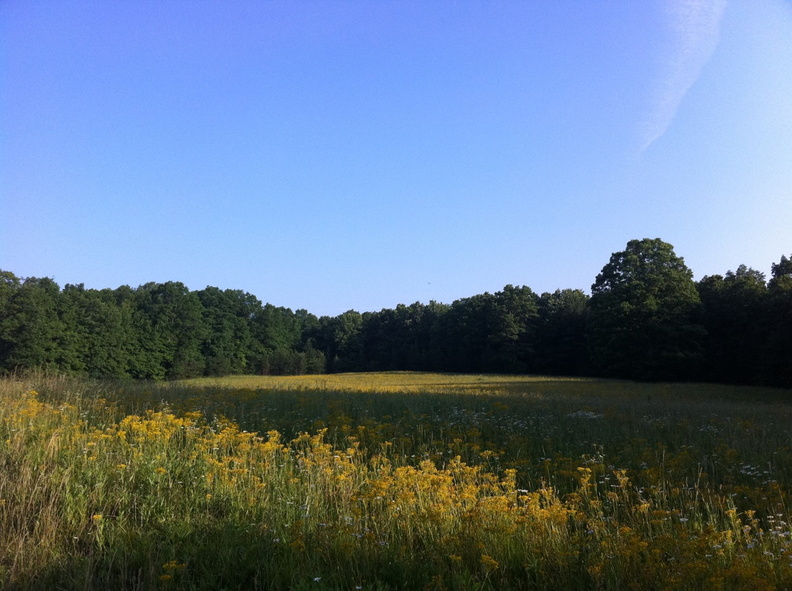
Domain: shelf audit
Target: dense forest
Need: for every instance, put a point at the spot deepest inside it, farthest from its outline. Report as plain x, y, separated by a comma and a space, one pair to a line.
646, 319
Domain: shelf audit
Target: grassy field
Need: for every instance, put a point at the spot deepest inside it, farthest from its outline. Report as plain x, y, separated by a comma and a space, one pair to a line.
393, 481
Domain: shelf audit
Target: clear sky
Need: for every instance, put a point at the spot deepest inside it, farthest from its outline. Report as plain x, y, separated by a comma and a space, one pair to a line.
357, 155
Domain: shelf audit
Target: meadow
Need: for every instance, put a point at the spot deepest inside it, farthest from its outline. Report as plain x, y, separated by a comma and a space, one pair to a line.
393, 481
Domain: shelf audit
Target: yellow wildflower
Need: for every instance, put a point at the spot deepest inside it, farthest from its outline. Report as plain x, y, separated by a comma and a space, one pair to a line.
488, 562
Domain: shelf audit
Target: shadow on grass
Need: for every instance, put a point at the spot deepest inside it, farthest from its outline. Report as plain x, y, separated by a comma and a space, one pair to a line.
228, 555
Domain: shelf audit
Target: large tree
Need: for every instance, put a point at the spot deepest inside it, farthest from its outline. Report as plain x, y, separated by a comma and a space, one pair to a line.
643, 320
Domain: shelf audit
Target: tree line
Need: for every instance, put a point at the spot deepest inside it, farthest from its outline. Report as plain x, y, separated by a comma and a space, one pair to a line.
646, 319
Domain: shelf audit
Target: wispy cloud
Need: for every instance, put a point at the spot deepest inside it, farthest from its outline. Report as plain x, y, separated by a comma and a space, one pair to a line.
694, 32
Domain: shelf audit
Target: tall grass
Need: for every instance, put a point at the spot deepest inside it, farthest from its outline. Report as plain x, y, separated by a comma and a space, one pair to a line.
393, 481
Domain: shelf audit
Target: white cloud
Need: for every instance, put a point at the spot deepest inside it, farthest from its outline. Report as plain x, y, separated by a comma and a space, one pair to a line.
694, 33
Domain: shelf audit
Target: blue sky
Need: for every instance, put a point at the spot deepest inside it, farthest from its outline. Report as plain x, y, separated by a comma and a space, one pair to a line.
358, 155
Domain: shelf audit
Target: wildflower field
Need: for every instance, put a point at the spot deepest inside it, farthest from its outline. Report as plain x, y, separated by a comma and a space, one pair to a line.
393, 481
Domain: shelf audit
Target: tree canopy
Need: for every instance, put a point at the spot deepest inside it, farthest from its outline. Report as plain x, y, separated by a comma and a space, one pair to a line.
646, 319
643, 318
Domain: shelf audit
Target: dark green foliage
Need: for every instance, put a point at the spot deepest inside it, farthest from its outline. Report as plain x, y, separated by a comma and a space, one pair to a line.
512, 333
643, 319
229, 346
33, 334
646, 320
9, 285
169, 326
156, 331
735, 320
749, 325
280, 342
778, 368
403, 338
560, 338
101, 331
340, 339
488, 332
